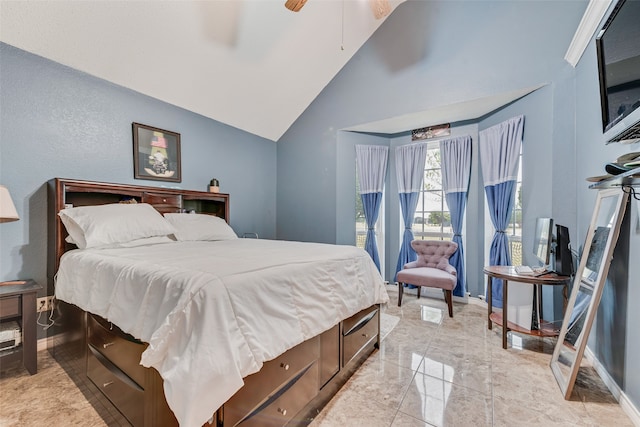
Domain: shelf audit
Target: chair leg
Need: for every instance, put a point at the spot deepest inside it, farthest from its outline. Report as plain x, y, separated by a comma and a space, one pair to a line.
400, 292
448, 297
419, 289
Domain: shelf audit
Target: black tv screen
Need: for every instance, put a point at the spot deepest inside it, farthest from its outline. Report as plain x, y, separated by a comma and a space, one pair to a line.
563, 255
618, 49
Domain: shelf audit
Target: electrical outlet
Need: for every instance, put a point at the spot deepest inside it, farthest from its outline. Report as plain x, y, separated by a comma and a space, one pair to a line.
44, 304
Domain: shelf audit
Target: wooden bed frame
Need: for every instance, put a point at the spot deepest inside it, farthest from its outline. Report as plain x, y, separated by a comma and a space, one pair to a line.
103, 361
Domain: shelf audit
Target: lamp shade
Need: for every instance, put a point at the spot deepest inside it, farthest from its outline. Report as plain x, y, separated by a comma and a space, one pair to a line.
7, 209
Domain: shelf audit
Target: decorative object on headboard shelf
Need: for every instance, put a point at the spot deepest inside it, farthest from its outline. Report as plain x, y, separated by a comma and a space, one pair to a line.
214, 186
156, 154
8, 211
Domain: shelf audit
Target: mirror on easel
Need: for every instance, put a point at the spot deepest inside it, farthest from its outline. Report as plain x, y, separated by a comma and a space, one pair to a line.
587, 287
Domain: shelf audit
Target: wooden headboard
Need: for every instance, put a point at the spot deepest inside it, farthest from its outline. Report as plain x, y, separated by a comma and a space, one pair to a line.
72, 193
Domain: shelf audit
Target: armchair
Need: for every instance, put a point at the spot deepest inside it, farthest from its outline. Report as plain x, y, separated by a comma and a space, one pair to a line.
431, 269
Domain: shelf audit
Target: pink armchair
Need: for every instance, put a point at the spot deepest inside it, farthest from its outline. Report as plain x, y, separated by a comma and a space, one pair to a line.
431, 269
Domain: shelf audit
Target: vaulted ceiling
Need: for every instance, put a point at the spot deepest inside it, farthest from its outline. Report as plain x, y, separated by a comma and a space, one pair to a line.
251, 64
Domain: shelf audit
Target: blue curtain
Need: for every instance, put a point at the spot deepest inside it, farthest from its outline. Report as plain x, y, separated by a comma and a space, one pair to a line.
371, 205
410, 160
456, 172
457, 203
500, 198
371, 162
499, 155
408, 203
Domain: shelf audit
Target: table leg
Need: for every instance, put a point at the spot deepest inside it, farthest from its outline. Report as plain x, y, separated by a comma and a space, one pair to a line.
505, 291
29, 339
489, 302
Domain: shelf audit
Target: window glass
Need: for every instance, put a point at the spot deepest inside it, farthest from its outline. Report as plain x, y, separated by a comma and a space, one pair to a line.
361, 223
514, 230
432, 220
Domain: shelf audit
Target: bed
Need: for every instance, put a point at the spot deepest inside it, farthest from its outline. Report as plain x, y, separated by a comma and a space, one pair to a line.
190, 325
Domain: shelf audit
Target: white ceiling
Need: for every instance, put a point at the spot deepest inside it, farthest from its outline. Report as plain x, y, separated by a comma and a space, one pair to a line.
251, 64
461, 111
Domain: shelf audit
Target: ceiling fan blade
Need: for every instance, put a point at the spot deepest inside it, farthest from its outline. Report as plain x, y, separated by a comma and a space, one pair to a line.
380, 8
294, 5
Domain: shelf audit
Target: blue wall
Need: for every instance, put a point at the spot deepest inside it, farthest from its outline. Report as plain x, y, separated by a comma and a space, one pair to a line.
475, 49
414, 63
59, 122
615, 337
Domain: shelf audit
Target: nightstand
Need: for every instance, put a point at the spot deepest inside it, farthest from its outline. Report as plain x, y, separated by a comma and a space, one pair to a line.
18, 304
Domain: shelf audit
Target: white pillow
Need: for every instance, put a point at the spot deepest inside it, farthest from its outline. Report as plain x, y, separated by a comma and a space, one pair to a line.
101, 225
200, 227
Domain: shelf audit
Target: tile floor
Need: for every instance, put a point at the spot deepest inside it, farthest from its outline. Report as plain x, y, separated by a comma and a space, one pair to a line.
431, 370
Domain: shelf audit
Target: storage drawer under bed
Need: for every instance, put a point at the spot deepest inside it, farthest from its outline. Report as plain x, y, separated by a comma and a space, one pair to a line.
282, 405
359, 331
121, 349
121, 390
273, 377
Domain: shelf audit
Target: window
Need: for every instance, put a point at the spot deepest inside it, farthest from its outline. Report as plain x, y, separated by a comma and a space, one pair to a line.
514, 230
432, 220
361, 223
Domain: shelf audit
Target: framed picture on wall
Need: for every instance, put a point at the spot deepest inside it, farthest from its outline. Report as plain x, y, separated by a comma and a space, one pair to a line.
156, 154
431, 132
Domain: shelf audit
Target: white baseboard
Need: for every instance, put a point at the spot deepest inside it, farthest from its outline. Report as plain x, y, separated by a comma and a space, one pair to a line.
42, 344
624, 402
627, 406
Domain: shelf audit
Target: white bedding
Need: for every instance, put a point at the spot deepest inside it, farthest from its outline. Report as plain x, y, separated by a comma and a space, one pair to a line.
213, 312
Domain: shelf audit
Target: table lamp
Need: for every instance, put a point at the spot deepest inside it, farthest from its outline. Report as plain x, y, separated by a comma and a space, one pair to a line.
8, 211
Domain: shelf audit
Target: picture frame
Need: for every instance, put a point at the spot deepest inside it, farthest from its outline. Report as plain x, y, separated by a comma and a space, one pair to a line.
431, 132
156, 154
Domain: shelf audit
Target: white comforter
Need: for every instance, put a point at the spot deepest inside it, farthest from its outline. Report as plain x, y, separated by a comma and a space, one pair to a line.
213, 312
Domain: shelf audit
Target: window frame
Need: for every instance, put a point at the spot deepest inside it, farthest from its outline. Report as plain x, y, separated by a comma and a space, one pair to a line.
435, 172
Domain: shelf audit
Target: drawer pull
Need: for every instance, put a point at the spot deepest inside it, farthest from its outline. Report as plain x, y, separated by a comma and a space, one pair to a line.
107, 384
164, 200
365, 335
107, 344
282, 411
284, 366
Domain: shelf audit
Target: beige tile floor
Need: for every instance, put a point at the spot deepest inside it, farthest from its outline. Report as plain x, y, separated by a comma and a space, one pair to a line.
430, 371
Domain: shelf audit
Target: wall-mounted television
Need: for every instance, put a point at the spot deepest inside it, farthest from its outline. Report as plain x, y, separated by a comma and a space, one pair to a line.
618, 51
